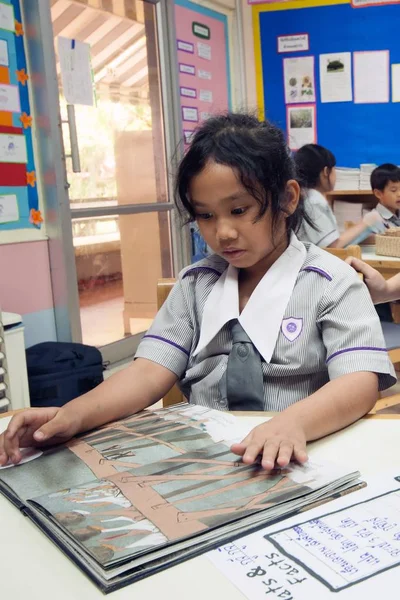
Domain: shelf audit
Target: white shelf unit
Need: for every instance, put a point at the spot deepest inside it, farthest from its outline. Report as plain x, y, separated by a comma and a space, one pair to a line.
14, 388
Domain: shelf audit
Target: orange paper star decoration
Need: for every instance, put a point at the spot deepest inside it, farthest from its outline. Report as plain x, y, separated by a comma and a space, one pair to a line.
35, 217
31, 178
19, 30
22, 76
26, 120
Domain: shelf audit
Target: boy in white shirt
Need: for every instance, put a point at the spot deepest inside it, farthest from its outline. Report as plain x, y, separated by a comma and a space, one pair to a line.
385, 184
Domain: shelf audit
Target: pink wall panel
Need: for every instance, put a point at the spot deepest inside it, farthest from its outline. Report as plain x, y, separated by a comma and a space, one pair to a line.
25, 284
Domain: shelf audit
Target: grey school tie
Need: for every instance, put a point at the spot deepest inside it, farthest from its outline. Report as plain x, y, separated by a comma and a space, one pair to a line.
244, 377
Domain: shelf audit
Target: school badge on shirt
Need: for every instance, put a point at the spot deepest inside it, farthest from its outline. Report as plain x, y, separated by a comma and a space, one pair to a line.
292, 328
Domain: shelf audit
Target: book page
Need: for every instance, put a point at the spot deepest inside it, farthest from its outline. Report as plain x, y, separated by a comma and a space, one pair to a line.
349, 553
137, 440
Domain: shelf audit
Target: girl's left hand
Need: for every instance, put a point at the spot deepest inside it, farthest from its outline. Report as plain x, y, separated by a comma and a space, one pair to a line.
279, 441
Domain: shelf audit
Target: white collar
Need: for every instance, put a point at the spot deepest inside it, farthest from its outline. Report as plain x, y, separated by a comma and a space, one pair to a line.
385, 212
263, 313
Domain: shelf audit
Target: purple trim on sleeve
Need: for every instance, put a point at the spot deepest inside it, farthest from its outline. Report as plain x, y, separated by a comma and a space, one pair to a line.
320, 271
162, 339
356, 349
202, 269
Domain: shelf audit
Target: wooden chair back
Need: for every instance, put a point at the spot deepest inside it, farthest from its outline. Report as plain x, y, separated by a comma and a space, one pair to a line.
164, 286
344, 253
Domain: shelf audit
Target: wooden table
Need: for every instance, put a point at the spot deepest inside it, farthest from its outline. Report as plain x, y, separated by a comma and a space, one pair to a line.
386, 265
48, 574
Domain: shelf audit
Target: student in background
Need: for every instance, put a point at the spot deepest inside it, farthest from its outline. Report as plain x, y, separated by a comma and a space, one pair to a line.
265, 323
316, 171
385, 183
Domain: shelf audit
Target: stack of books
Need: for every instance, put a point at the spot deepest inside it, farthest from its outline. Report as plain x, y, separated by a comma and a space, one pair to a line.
365, 176
347, 179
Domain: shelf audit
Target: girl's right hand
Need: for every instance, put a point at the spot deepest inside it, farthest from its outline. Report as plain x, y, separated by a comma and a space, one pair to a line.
36, 427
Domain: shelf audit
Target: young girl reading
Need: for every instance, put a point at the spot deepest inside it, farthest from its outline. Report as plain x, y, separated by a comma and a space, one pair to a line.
266, 323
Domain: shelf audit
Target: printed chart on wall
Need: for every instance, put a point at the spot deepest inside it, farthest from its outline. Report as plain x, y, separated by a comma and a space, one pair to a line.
347, 552
203, 64
18, 192
329, 71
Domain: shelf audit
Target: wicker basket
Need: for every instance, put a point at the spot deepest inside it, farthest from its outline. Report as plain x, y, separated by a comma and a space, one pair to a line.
388, 243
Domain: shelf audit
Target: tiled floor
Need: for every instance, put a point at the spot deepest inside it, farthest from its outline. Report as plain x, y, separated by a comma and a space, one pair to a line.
101, 311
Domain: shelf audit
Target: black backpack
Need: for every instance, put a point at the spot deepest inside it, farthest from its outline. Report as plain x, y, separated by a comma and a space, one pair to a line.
61, 371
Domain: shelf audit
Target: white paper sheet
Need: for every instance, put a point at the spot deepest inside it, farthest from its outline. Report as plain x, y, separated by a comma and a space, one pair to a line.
301, 126
360, 3
28, 454
347, 549
9, 212
396, 83
371, 77
204, 50
76, 71
7, 17
293, 43
4, 61
204, 74
335, 77
9, 98
299, 79
206, 95
13, 148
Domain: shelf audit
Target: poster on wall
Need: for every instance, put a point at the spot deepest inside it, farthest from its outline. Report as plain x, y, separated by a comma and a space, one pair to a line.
202, 50
371, 77
19, 202
301, 126
335, 77
299, 79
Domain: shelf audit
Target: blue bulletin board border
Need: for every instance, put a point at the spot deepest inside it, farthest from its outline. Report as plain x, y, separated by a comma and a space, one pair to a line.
27, 195
356, 133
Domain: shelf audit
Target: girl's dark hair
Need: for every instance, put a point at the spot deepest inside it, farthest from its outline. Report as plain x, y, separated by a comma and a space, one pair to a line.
255, 149
310, 161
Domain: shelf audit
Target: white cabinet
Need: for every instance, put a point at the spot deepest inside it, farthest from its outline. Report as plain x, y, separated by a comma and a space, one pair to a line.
13, 363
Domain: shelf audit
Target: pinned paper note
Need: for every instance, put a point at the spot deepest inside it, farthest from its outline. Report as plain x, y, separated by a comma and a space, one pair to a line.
76, 71
9, 212
7, 20
13, 148
301, 126
204, 50
335, 77
9, 98
4, 60
299, 79
27, 454
206, 95
371, 77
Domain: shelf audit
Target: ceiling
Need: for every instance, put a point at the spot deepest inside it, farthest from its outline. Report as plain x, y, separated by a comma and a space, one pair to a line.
118, 46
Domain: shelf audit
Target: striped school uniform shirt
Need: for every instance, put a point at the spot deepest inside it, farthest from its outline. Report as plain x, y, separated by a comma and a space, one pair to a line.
310, 317
321, 214
388, 217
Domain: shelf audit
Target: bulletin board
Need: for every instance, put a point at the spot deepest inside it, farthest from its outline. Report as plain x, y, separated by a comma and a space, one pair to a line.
18, 190
356, 133
203, 63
